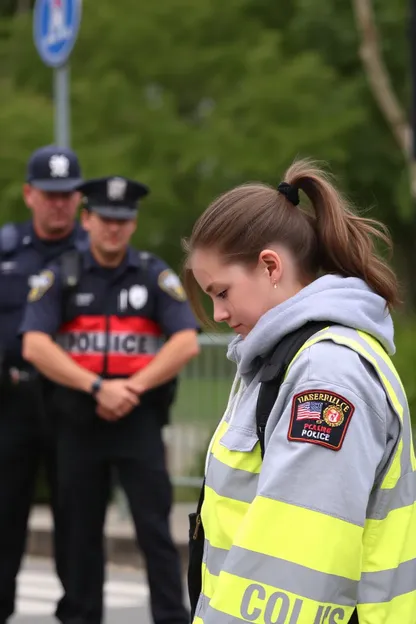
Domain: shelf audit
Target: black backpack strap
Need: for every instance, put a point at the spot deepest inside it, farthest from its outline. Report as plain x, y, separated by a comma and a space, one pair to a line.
70, 269
195, 553
274, 370
145, 257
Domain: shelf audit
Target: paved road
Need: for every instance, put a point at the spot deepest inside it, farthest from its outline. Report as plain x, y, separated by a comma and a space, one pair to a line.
126, 595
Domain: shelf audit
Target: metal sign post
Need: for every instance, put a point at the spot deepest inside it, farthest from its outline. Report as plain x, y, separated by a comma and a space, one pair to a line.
55, 28
61, 99
413, 72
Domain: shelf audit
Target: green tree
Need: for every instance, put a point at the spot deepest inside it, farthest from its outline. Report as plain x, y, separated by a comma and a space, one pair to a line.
375, 171
191, 98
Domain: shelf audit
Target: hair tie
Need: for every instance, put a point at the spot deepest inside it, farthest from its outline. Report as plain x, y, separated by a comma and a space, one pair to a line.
290, 192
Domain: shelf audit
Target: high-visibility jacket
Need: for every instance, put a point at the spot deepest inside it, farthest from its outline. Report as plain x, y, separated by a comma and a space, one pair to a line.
269, 559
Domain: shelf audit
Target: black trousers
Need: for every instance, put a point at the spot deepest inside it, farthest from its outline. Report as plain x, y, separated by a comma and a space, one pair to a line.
26, 441
87, 455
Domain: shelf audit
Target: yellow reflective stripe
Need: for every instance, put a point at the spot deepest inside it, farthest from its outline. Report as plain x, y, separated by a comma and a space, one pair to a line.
394, 472
256, 602
224, 515
400, 610
209, 581
250, 462
393, 546
197, 620
355, 346
376, 346
303, 536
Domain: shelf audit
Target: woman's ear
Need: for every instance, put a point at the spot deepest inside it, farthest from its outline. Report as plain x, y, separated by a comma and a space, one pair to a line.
270, 261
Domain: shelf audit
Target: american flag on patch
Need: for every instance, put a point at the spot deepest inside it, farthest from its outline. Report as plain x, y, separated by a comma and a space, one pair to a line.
309, 410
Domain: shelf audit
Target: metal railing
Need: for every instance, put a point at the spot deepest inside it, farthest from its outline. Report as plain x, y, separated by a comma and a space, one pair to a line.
201, 399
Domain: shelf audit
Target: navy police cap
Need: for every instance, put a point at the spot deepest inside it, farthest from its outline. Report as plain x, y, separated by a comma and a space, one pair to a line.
113, 197
54, 169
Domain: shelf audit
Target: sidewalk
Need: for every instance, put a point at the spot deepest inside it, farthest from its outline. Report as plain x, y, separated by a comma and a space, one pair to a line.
120, 540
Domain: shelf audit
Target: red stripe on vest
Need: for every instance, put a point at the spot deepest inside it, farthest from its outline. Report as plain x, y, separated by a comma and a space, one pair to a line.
127, 365
84, 323
133, 324
117, 365
93, 363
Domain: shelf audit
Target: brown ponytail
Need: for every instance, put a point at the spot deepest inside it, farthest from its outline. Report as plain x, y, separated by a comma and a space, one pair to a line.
346, 241
325, 237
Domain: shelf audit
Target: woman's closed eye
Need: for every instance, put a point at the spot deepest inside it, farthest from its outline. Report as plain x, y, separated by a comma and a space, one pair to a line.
222, 294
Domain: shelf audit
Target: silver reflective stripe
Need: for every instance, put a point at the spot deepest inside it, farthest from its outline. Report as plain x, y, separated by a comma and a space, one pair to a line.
243, 486
396, 386
123, 343
353, 335
291, 577
385, 585
214, 558
278, 609
374, 587
386, 500
224, 618
202, 606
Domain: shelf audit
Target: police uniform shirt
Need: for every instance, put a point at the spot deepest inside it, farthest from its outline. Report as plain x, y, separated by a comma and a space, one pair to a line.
113, 322
22, 255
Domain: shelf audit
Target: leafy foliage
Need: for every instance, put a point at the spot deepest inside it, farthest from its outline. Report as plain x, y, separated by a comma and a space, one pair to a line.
194, 97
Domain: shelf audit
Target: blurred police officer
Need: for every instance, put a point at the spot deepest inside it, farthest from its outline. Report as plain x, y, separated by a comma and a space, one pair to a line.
25, 248
122, 334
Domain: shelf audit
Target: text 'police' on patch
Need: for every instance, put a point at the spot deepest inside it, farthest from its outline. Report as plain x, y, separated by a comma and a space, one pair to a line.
320, 417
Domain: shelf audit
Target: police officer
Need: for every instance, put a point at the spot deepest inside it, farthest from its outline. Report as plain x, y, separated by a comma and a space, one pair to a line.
122, 334
25, 248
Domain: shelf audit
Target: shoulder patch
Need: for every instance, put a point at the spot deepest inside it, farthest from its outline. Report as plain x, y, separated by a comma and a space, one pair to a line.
169, 282
320, 417
40, 284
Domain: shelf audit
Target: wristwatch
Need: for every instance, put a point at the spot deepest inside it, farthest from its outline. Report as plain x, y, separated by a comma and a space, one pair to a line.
96, 386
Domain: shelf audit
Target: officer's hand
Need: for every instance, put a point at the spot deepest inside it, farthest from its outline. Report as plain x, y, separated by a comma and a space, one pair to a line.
106, 414
135, 386
114, 396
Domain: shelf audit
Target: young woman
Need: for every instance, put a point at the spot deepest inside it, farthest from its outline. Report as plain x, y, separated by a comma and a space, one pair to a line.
322, 530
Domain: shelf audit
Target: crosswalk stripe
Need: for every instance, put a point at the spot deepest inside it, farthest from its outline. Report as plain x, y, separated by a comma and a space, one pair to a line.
29, 590
38, 593
128, 589
33, 607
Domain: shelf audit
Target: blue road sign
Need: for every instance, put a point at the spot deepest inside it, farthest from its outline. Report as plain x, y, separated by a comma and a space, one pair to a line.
55, 28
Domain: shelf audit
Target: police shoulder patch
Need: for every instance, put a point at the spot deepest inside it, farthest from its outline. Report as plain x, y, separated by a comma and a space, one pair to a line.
170, 283
320, 417
40, 284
